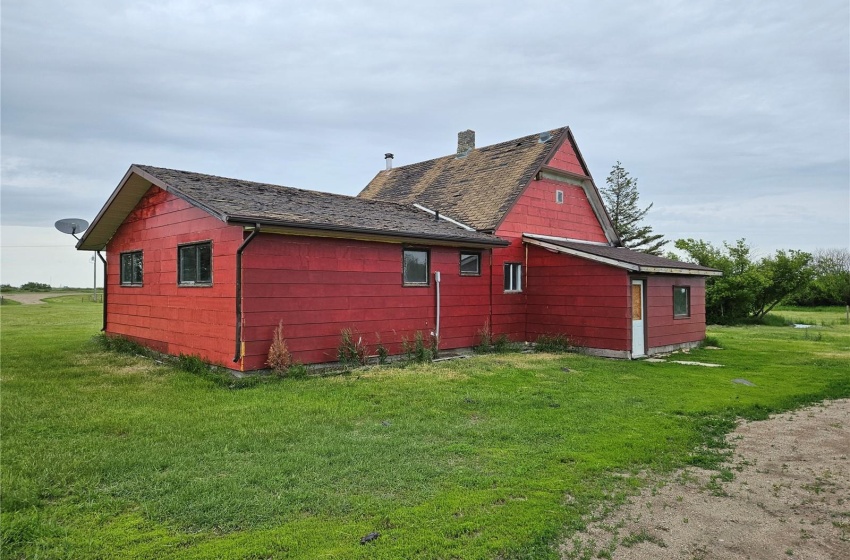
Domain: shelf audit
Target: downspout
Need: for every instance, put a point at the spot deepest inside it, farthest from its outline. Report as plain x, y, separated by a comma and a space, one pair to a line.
105, 289
525, 291
238, 354
437, 329
490, 312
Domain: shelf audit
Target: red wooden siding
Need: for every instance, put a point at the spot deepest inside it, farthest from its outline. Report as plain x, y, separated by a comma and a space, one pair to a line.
319, 286
536, 211
587, 301
160, 314
565, 158
662, 328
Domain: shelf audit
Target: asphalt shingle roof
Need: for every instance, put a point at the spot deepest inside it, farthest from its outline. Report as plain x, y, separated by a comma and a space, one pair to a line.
477, 189
246, 201
623, 255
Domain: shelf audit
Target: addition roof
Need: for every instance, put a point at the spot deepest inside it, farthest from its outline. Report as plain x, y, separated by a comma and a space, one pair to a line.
481, 186
285, 208
619, 256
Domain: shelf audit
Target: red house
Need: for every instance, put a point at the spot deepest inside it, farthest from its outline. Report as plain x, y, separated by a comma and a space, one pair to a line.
513, 235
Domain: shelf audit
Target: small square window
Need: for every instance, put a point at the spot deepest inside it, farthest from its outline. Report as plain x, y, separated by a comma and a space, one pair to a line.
194, 264
470, 263
681, 301
559, 197
513, 277
415, 267
132, 268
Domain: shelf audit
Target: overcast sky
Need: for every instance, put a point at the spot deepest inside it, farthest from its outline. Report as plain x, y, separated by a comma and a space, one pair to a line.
734, 116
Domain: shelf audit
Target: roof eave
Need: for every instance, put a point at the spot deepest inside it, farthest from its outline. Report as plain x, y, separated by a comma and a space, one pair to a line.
126, 196
343, 231
621, 264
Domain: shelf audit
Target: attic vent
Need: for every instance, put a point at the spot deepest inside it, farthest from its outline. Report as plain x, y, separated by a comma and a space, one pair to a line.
545, 137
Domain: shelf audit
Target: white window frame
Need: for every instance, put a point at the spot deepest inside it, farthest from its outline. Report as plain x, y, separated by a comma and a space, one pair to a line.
513, 277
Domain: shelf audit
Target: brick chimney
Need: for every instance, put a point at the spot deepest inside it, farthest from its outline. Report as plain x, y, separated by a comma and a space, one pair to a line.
465, 142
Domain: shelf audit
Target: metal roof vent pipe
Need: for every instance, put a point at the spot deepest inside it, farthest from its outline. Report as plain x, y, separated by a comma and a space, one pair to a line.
465, 142
389, 158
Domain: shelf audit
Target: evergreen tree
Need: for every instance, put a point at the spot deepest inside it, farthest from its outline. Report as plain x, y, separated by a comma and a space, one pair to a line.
621, 199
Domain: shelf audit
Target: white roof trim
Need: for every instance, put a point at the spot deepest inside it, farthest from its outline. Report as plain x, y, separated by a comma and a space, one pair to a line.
568, 239
617, 263
442, 217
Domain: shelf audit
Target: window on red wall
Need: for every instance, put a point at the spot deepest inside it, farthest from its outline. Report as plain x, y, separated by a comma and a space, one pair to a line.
132, 268
681, 301
513, 277
415, 267
194, 264
470, 263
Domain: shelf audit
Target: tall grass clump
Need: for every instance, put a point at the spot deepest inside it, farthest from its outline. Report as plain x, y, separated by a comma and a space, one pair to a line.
351, 351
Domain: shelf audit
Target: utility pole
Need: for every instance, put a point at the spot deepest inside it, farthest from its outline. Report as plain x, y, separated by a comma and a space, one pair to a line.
94, 269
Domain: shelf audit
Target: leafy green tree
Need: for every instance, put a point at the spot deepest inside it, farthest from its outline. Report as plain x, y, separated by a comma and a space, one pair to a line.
749, 288
621, 199
35, 287
831, 282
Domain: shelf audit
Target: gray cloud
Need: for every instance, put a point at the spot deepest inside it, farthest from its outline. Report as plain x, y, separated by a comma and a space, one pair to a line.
713, 105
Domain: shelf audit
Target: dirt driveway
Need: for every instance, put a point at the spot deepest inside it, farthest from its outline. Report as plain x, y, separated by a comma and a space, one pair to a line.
28, 298
789, 498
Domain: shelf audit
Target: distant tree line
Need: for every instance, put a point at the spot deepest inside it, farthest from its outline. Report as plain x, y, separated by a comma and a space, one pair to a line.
751, 287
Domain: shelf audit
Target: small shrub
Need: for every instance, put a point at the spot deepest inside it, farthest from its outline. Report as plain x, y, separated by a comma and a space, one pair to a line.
710, 341
407, 349
501, 344
435, 345
297, 371
485, 339
193, 364
415, 351
280, 359
421, 353
121, 345
381, 350
555, 343
350, 351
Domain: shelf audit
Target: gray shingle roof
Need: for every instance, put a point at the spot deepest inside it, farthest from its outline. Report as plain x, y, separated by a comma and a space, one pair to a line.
634, 260
247, 202
478, 189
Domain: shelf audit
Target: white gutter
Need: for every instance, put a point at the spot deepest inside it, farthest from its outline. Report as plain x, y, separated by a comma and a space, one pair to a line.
446, 218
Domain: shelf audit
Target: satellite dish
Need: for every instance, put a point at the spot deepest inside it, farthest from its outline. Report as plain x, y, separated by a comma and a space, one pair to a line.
72, 226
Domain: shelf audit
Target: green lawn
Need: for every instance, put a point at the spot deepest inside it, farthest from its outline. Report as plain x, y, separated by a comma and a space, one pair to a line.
113, 456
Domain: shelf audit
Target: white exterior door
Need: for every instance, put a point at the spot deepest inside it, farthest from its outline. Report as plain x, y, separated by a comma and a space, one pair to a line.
638, 312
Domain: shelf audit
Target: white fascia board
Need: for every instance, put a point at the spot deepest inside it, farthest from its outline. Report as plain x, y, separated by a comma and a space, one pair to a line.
583, 255
535, 240
685, 271
566, 239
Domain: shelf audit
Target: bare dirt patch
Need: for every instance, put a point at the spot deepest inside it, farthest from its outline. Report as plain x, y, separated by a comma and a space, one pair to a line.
30, 298
785, 493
